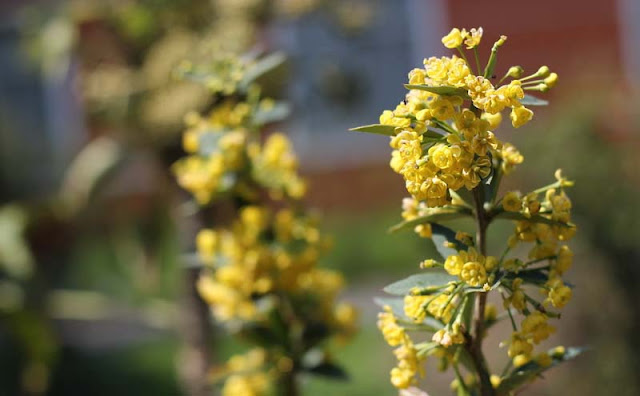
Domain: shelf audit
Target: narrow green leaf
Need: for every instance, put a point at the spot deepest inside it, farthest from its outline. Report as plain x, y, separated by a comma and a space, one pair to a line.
262, 67
378, 129
530, 100
492, 184
524, 374
432, 133
434, 215
466, 311
431, 277
443, 90
329, 370
532, 276
442, 234
208, 142
501, 214
278, 112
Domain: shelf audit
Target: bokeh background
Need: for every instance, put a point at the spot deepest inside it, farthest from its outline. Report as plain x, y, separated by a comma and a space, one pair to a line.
92, 283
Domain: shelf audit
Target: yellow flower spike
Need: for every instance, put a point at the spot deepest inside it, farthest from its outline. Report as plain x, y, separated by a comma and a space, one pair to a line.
495, 380
453, 39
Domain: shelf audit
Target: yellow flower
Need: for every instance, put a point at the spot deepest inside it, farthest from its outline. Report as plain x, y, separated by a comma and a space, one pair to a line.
519, 345
511, 202
415, 307
446, 338
392, 332
564, 259
510, 157
417, 76
453, 265
453, 39
520, 115
441, 156
536, 327
494, 120
474, 273
473, 38
559, 293
191, 141
206, 244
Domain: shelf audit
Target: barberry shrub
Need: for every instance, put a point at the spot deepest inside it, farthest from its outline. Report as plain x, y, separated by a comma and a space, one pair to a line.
452, 163
259, 247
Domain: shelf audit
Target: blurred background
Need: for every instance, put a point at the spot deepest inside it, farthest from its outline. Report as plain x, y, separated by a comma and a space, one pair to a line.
91, 230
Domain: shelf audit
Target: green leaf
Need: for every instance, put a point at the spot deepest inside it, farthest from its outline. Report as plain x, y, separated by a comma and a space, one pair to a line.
208, 142
502, 214
443, 90
431, 277
526, 373
434, 215
492, 184
467, 310
329, 370
442, 234
532, 276
529, 100
278, 112
432, 133
397, 307
262, 67
378, 129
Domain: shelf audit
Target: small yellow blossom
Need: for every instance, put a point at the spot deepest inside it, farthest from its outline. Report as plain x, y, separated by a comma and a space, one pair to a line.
520, 115
453, 39
512, 202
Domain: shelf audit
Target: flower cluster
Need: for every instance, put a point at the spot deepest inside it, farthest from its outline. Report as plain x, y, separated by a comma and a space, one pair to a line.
226, 156
452, 162
440, 145
260, 271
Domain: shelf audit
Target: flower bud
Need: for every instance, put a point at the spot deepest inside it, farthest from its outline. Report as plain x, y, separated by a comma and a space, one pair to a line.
515, 71
551, 80
543, 71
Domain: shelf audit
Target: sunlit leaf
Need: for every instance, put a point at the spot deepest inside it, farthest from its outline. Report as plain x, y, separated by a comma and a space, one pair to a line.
431, 277
262, 67
529, 100
434, 215
444, 90
442, 234
278, 112
329, 370
531, 219
526, 373
378, 129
